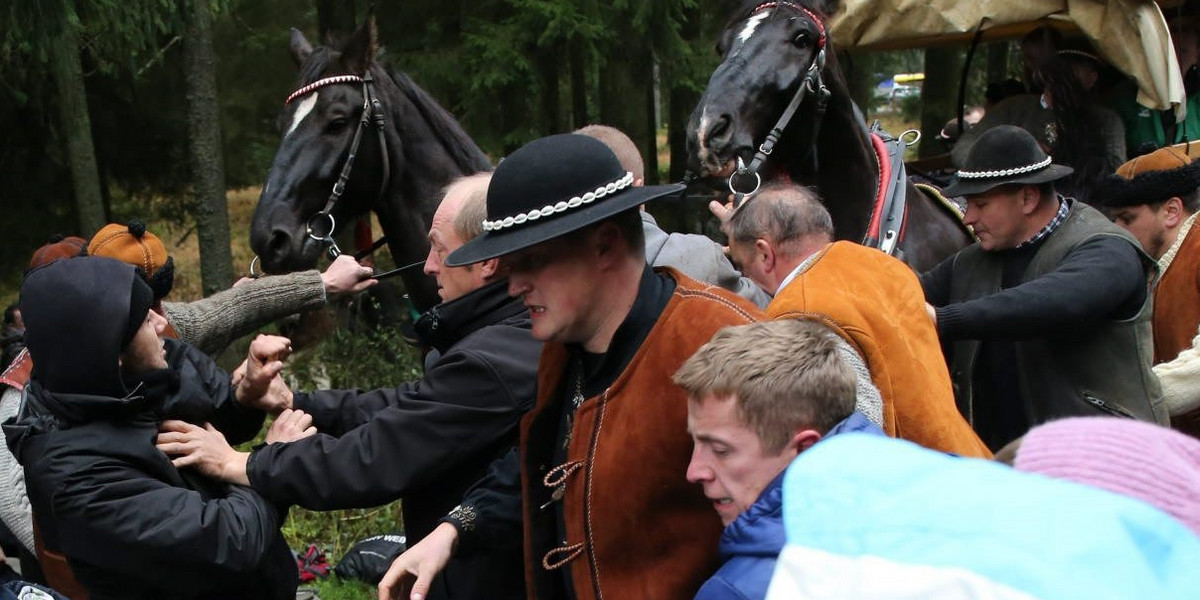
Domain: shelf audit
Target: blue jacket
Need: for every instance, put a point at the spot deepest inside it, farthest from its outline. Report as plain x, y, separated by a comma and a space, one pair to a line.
752, 542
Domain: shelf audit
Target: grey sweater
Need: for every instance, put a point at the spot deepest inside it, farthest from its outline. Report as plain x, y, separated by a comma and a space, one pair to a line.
212, 323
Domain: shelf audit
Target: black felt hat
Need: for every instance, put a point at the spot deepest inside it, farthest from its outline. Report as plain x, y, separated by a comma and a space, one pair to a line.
1004, 155
551, 187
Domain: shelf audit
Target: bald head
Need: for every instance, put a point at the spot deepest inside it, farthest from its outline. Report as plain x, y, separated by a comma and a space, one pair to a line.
787, 214
626, 151
774, 230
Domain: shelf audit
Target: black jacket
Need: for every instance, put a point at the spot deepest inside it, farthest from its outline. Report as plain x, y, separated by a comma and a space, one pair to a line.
129, 523
426, 440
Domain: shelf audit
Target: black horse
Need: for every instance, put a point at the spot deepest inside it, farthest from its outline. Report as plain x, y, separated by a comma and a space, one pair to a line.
358, 137
770, 50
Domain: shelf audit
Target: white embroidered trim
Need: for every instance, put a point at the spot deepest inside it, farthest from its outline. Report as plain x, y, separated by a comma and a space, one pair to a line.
563, 206
322, 83
1004, 172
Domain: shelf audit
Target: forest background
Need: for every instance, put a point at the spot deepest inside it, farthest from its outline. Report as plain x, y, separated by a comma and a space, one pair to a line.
165, 110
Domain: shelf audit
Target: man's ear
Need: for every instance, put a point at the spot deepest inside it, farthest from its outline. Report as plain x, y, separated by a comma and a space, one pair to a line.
765, 252
1031, 199
1171, 212
489, 268
803, 439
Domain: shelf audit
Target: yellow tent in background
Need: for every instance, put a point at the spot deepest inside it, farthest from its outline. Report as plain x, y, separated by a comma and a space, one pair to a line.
1131, 35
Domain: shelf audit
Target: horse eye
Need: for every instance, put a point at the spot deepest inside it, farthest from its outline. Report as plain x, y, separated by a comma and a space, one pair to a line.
336, 125
802, 39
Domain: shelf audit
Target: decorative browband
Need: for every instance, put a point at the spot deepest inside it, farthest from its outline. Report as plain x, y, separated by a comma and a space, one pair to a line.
820, 26
322, 83
1004, 172
565, 205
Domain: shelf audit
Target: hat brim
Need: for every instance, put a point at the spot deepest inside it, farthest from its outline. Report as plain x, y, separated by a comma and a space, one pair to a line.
972, 187
491, 244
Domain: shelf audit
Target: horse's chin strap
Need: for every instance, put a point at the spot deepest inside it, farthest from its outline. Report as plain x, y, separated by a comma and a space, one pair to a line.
813, 83
372, 115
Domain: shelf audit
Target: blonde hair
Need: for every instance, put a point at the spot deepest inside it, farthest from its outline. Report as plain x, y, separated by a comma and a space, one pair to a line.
468, 223
784, 375
627, 152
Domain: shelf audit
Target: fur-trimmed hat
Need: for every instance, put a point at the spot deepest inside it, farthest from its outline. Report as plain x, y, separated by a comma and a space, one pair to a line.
1151, 178
134, 245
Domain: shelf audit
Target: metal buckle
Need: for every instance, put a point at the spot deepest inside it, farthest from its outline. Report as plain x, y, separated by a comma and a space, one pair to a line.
743, 171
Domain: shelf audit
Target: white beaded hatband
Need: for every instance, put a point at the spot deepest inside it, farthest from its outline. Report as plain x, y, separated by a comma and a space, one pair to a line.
1004, 172
565, 205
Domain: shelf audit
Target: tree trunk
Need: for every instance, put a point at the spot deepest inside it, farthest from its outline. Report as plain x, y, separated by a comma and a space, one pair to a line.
651, 117
939, 96
551, 120
335, 19
860, 79
579, 86
77, 129
204, 142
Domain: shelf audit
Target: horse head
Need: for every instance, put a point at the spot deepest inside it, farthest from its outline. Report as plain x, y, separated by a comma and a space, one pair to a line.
319, 127
772, 53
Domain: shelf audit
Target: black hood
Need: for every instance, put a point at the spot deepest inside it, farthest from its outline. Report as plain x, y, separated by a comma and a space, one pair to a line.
77, 315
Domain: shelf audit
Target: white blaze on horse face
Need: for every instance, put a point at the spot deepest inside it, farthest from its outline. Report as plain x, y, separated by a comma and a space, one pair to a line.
306, 105
751, 26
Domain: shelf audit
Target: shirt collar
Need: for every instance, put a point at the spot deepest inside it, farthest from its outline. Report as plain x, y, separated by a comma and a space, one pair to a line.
1064, 208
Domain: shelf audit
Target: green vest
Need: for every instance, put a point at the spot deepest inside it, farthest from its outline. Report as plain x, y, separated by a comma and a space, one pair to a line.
1101, 369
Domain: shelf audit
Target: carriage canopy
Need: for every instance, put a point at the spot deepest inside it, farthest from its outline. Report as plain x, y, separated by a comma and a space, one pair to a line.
1131, 35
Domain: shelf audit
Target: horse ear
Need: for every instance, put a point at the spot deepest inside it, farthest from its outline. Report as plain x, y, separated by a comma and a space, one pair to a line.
301, 48
360, 50
828, 7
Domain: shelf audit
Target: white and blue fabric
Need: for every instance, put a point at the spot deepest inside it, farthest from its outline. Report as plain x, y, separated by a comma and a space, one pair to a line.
871, 518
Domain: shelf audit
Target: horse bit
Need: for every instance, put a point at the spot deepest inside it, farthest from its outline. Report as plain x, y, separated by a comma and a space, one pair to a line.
374, 116
812, 82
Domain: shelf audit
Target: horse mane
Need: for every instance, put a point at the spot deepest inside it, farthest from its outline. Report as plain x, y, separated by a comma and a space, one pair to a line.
446, 128
458, 145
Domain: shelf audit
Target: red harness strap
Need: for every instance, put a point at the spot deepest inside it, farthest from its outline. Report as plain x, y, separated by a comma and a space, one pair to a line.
885, 174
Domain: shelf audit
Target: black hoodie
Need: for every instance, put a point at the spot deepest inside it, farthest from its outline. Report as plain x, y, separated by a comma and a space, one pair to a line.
129, 523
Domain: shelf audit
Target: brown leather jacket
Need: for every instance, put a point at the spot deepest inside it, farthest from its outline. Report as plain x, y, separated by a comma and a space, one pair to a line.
635, 527
876, 303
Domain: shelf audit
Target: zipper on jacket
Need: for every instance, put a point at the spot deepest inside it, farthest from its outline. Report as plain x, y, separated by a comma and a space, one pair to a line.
1111, 409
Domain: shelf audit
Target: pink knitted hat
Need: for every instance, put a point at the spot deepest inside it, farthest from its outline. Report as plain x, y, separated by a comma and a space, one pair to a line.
1154, 464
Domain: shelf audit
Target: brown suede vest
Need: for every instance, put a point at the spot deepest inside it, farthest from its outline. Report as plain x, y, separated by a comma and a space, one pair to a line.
634, 526
1102, 369
1177, 301
876, 303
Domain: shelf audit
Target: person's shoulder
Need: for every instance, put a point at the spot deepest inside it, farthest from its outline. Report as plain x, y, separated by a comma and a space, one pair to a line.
693, 298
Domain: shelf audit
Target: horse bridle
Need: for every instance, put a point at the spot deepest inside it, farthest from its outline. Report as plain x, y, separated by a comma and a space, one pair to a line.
812, 82
374, 116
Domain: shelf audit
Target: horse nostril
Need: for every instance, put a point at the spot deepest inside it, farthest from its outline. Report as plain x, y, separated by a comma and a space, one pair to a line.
720, 132
280, 239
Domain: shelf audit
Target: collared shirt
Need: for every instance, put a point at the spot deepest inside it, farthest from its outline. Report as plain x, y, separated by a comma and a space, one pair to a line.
1064, 207
800, 268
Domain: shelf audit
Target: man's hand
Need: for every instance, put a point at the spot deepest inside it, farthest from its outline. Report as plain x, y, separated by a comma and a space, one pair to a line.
291, 425
344, 275
257, 380
723, 213
412, 572
932, 312
203, 448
